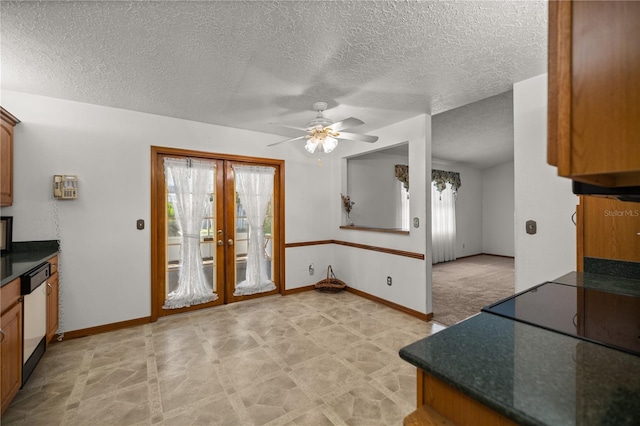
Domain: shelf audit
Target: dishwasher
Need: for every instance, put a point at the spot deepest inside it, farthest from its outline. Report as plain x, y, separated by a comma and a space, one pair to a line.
35, 317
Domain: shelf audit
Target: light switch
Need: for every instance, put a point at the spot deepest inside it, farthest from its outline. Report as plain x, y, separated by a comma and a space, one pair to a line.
532, 227
140, 224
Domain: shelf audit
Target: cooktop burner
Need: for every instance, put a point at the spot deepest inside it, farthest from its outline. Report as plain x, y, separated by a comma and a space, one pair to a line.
607, 318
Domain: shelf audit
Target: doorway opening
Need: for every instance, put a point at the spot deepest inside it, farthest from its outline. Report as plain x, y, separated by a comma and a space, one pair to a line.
234, 249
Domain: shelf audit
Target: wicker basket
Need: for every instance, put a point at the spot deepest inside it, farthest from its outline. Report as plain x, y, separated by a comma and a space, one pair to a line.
331, 284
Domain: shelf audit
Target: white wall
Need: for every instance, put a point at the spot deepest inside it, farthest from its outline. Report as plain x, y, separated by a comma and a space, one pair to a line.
105, 261
368, 270
498, 210
468, 208
373, 186
540, 194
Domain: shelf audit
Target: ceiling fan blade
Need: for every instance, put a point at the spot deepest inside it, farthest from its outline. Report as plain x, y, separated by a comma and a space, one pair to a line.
288, 140
288, 127
357, 137
346, 124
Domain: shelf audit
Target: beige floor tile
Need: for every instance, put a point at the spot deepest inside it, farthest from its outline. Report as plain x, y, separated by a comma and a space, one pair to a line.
310, 358
364, 405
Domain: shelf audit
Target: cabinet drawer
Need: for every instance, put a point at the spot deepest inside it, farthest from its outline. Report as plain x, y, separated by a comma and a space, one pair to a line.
10, 294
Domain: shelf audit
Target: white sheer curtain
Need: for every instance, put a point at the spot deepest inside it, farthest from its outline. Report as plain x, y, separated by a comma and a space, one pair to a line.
255, 189
403, 207
443, 224
193, 184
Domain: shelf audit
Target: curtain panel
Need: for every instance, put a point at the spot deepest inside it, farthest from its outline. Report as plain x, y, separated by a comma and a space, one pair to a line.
443, 224
254, 185
402, 174
441, 178
192, 183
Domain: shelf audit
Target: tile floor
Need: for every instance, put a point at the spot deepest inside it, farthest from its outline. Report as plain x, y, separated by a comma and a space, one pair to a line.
305, 359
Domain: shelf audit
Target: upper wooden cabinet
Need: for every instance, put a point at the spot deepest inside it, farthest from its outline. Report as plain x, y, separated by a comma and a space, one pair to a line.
594, 91
7, 124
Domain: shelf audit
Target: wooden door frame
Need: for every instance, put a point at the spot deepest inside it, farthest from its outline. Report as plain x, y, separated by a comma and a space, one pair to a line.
158, 256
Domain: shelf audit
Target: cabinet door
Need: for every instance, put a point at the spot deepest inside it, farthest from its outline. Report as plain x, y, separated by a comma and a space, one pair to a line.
10, 354
594, 87
6, 166
52, 306
611, 229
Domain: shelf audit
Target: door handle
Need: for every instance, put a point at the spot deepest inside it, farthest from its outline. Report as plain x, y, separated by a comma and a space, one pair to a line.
49, 289
220, 242
2, 332
230, 242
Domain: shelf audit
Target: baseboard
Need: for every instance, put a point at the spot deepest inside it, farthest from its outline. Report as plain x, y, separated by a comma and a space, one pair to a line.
299, 289
419, 315
84, 332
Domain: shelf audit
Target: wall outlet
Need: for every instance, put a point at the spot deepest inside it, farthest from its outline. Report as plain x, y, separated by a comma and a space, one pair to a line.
388, 280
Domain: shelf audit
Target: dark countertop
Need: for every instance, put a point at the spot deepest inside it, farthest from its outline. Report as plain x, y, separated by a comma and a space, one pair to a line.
24, 257
532, 375
601, 282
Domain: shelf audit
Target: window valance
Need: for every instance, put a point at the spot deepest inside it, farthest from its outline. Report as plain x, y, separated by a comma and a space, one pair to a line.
440, 179
402, 173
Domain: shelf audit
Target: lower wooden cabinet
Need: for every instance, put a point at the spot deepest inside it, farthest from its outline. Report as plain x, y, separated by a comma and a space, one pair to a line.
53, 291
610, 229
10, 343
52, 306
441, 404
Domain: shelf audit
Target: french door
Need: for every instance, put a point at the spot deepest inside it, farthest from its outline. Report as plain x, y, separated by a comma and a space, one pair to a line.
224, 236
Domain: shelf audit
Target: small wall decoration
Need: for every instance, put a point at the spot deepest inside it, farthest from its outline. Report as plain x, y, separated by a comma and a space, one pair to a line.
347, 204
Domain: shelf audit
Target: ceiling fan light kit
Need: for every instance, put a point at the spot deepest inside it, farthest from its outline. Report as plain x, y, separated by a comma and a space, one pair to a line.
322, 133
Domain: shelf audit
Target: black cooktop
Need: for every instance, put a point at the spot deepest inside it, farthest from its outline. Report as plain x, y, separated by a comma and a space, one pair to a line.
607, 318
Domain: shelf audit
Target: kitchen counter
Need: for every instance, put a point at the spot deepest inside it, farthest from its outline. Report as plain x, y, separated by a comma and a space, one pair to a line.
24, 257
612, 284
531, 375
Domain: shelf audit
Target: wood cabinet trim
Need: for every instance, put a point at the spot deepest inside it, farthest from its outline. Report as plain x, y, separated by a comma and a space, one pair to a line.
559, 86
8, 117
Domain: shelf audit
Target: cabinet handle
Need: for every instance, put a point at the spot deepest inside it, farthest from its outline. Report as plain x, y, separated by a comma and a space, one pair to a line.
230, 242
49, 289
2, 332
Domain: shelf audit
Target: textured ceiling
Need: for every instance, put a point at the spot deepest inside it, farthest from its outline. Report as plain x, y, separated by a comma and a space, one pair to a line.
479, 134
246, 64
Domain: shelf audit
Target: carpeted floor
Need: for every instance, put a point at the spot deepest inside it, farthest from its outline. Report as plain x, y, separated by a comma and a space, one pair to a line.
462, 287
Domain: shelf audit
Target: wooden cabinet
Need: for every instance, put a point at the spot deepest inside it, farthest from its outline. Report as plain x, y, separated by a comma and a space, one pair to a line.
52, 300
11, 342
594, 91
609, 229
7, 123
441, 404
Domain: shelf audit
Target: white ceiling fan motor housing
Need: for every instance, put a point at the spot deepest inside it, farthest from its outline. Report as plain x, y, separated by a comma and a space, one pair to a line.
320, 121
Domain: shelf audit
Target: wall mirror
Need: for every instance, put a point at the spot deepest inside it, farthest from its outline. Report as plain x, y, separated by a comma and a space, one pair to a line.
379, 190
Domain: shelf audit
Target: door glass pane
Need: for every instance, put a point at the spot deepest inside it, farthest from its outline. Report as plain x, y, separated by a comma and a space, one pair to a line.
242, 240
207, 240
268, 239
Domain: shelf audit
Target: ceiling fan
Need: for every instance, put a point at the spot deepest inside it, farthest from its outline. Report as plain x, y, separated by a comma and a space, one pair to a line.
323, 134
